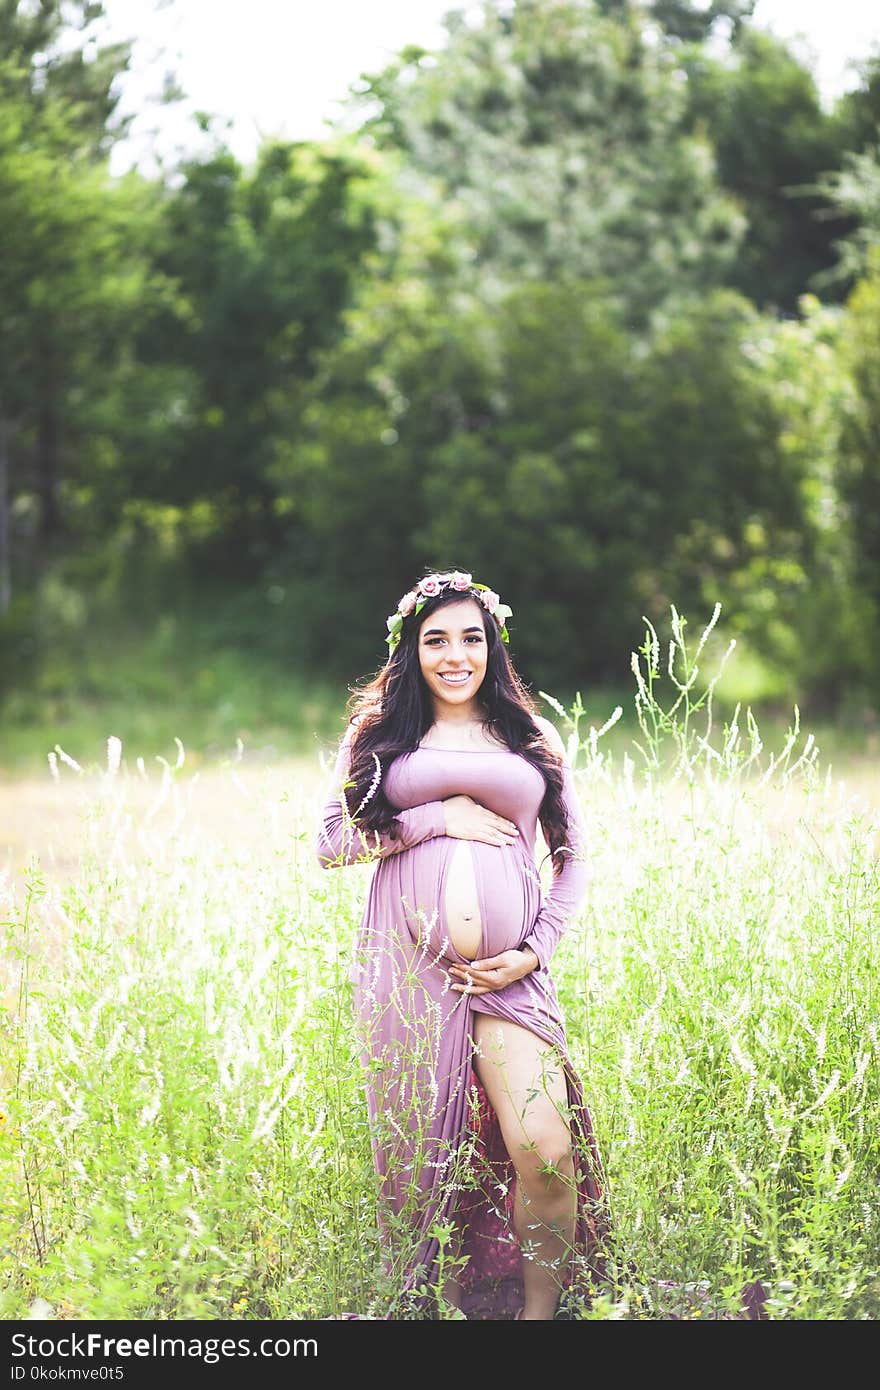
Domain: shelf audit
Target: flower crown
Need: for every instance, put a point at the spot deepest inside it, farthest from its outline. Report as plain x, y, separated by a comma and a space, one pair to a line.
433, 584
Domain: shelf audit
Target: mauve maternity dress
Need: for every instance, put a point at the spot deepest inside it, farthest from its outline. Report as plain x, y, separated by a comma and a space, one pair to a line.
436, 1143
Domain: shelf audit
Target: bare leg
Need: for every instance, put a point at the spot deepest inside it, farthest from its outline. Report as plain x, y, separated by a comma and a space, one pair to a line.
525, 1083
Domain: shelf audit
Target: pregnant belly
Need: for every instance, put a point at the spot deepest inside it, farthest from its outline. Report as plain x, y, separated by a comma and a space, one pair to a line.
466, 899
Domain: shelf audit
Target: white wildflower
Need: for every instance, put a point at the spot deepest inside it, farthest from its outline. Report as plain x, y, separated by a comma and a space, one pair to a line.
114, 754
637, 672
553, 703
610, 721
707, 629
742, 1059
828, 1091
66, 758
373, 787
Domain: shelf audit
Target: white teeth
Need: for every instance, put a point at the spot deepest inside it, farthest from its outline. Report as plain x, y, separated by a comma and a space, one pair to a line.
458, 678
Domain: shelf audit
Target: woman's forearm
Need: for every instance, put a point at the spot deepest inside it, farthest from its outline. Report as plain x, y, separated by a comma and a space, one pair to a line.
341, 841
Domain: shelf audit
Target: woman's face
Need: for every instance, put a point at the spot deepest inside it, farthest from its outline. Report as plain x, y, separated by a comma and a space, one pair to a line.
453, 655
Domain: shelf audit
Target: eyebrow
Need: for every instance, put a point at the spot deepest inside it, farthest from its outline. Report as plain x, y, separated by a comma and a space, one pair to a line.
441, 631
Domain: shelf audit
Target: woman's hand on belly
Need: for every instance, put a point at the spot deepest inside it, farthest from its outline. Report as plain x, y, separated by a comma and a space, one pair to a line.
466, 819
494, 973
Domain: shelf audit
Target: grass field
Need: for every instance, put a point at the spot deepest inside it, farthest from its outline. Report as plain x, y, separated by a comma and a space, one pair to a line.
183, 1132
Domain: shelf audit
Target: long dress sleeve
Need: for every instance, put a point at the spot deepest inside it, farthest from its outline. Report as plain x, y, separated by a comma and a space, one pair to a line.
568, 888
340, 841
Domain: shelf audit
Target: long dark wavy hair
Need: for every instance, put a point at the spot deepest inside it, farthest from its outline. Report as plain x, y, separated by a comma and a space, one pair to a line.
392, 712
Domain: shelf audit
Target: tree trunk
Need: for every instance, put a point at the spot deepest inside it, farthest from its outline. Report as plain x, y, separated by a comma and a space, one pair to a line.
47, 462
5, 559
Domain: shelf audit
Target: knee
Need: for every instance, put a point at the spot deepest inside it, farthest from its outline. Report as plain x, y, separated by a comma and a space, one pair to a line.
548, 1158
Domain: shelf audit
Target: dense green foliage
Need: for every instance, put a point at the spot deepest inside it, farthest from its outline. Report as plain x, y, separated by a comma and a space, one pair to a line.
586, 304
772, 141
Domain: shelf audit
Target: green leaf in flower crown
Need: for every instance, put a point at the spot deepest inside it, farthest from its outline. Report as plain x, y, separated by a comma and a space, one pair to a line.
502, 613
395, 622
420, 605
505, 635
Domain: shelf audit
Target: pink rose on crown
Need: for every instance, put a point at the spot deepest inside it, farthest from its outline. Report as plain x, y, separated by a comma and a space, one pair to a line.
407, 604
489, 599
430, 585
461, 581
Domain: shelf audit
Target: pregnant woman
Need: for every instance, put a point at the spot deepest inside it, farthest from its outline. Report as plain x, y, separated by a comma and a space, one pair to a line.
489, 1173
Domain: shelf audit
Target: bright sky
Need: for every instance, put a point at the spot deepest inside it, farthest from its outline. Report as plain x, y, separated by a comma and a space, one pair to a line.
283, 67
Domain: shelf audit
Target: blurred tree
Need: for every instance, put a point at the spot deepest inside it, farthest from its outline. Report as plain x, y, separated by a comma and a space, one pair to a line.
496, 329
59, 237
857, 112
258, 267
592, 475
760, 108
855, 191
732, 525
411, 372
652, 467
561, 135
58, 76
860, 445
684, 19
802, 604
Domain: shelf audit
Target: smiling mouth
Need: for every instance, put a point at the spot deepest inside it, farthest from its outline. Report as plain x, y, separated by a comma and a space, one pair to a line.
454, 677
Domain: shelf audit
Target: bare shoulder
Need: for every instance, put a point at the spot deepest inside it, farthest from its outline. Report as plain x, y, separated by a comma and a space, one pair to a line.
551, 733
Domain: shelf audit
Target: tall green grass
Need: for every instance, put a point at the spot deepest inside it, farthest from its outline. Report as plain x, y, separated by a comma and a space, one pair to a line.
205, 672
211, 668
183, 1128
